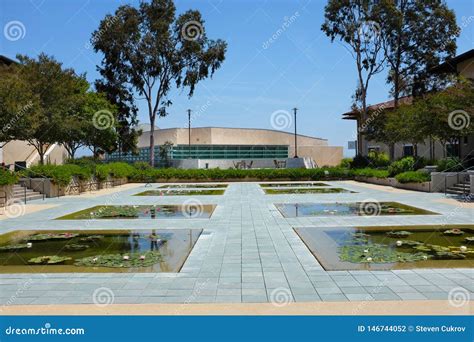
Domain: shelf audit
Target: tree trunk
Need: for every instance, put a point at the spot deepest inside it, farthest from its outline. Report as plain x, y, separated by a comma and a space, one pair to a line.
391, 149
152, 143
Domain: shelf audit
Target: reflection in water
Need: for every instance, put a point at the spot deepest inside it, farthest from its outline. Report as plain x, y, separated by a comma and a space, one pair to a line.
402, 247
173, 246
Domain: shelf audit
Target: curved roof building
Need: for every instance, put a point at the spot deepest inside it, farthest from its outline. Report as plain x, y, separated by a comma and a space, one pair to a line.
216, 145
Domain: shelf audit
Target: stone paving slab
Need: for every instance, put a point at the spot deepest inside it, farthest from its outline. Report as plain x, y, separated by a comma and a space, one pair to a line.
248, 253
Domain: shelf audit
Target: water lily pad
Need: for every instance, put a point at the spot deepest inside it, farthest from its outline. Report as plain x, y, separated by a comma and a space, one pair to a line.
11, 248
115, 211
399, 233
48, 259
469, 239
453, 231
117, 260
91, 238
75, 247
51, 236
377, 253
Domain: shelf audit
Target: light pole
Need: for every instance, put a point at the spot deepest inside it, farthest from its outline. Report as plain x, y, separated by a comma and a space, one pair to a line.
189, 133
296, 139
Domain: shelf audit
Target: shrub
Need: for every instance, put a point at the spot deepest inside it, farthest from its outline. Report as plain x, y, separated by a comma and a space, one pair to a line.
402, 165
452, 164
7, 177
346, 163
60, 174
121, 170
378, 159
235, 174
368, 172
413, 177
359, 162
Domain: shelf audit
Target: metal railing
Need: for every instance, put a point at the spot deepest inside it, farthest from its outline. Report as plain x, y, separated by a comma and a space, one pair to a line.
30, 179
462, 177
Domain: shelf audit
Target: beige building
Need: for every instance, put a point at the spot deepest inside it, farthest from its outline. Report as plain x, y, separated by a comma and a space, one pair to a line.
462, 65
222, 147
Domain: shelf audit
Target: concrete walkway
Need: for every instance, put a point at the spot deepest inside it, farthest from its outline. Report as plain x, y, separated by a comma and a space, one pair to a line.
248, 253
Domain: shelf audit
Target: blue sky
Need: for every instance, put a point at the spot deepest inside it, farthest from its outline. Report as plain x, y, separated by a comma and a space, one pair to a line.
301, 67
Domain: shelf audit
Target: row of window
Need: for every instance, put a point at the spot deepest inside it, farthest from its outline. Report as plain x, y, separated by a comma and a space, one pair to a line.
207, 152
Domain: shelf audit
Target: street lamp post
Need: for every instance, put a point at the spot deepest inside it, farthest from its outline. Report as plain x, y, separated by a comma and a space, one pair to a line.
296, 139
189, 133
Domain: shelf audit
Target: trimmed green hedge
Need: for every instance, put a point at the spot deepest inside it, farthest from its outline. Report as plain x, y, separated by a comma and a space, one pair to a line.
141, 175
60, 174
413, 177
7, 177
367, 172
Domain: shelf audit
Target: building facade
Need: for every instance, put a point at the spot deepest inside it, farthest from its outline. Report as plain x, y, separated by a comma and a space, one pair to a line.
462, 65
217, 145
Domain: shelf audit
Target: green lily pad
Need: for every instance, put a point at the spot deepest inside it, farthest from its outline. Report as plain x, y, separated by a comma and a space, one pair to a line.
48, 259
11, 248
91, 238
453, 231
117, 260
399, 233
75, 247
51, 236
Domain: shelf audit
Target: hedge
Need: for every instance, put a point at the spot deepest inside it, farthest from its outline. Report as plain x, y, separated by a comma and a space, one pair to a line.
7, 177
367, 172
413, 177
141, 175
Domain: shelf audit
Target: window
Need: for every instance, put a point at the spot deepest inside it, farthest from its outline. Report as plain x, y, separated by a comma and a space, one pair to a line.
408, 150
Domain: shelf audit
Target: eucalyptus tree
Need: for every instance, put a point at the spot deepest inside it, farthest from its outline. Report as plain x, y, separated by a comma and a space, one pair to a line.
150, 50
354, 23
417, 35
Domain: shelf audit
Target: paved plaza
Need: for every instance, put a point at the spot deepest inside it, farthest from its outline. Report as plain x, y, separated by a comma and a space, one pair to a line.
248, 252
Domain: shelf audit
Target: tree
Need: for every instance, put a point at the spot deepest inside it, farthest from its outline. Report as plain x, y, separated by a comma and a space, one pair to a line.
164, 153
353, 22
149, 50
123, 100
51, 86
417, 35
16, 103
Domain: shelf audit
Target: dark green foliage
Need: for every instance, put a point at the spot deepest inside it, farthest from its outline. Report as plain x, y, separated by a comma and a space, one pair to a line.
402, 165
413, 177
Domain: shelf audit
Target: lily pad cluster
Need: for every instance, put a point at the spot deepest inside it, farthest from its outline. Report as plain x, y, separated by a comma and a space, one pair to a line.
454, 231
399, 233
377, 253
51, 236
115, 211
75, 247
12, 248
91, 238
121, 261
49, 259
